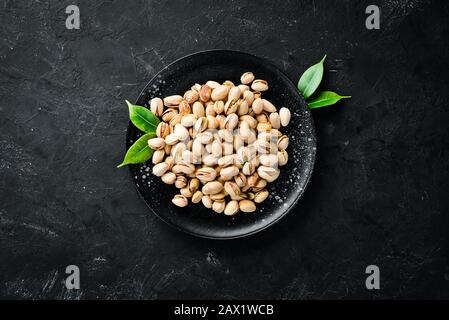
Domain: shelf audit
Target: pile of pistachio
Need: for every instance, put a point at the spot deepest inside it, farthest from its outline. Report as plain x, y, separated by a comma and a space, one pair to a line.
220, 144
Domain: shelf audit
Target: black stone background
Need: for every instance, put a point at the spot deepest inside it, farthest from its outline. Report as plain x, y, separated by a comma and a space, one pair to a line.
379, 193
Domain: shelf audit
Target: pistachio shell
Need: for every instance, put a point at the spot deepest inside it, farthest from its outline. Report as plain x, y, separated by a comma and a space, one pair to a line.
198, 109
188, 120
191, 96
169, 178
162, 130
212, 187
207, 202
156, 143
159, 169
180, 200
285, 116
218, 206
275, 120
257, 106
197, 196
247, 206
231, 208
174, 100
158, 156
268, 173
247, 78
220, 93
181, 132
157, 106
205, 93
259, 85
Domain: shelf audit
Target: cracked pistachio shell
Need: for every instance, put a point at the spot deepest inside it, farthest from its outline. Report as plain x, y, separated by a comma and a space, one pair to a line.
180, 200
198, 109
259, 85
247, 78
172, 101
157, 106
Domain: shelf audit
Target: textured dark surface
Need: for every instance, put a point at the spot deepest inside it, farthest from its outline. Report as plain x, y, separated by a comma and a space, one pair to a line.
378, 194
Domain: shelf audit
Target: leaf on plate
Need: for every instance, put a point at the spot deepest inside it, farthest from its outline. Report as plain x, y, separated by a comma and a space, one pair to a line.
142, 118
139, 152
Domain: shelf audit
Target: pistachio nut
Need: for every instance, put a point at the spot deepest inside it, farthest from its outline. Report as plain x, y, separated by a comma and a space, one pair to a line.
259, 85
285, 116
283, 142
169, 178
168, 114
213, 84
159, 169
212, 187
172, 101
158, 156
232, 207
180, 200
228, 173
157, 106
206, 174
207, 202
268, 173
162, 130
220, 93
191, 96
218, 206
205, 93
282, 157
197, 196
156, 143
181, 182
181, 132
275, 120
257, 106
232, 188
247, 206
247, 78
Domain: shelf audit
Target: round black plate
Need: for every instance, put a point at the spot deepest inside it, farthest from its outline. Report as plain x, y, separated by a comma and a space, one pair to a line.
221, 65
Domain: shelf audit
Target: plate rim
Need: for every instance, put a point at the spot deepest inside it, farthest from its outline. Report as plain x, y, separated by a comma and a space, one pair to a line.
277, 219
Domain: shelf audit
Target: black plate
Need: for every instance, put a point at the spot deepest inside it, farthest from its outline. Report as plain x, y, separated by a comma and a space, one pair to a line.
221, 65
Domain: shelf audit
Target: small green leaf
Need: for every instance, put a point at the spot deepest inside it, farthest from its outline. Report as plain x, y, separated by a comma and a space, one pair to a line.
139, 152
142, 118
311, 79
325, 98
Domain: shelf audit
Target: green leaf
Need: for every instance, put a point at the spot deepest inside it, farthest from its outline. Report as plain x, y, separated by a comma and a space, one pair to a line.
311, 79
142, 118
139, 152
325, 98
